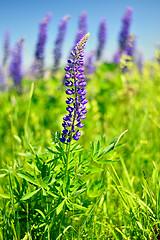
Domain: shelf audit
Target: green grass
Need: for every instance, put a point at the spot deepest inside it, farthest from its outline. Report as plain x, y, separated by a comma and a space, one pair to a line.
110, 196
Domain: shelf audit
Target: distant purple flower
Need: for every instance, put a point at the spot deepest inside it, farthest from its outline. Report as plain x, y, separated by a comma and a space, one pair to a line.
129, 51
102, 35
89, 63
124, 34
76, 92
130, 46
16, 63
117, 57
6, 48
82, 27
59, 40
40, 48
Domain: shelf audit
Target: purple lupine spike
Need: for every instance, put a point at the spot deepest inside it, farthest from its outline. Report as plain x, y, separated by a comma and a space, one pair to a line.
124, 34
102, 35
6, 47
76, 92
89, 63
40, 47
82, 27
59, 40
130, 46
129, 50
16, 62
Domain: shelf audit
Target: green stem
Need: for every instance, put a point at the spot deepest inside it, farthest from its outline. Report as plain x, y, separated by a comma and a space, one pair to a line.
67, 159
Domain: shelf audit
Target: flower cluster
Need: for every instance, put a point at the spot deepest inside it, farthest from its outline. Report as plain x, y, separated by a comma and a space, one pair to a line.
129, 51
16, 62
130, 47
42, 38
102, 34
124, 34
6, 48
76, 92
59, 40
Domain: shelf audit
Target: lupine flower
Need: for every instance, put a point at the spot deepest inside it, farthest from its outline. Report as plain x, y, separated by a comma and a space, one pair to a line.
16, 62
102, 34
40, 48
76, 92
6, 48
59, 40
89, 63
129, 51
130, 46
124, 34
82, 27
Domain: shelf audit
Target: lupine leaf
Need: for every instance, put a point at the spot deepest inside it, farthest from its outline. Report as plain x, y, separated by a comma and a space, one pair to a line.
28, 178
60, 207
29, 195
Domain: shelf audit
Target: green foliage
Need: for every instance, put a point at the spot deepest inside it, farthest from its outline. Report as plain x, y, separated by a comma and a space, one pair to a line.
90, 189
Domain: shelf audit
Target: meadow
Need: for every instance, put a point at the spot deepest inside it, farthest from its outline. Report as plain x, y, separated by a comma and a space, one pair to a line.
104, 185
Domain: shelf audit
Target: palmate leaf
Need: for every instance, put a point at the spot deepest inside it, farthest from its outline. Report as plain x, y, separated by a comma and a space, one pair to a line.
30, 194
28, 178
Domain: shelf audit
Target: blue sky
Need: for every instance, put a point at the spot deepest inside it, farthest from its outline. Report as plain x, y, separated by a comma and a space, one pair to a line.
21, 18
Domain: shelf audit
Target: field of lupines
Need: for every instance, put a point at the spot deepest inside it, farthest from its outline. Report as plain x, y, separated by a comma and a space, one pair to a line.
79, 156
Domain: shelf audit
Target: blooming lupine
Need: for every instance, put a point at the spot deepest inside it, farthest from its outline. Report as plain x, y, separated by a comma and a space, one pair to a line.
40, 48
6, 48
59, 41
124, 34
130, 46
16, 62
129, 51
102, 34
76, 92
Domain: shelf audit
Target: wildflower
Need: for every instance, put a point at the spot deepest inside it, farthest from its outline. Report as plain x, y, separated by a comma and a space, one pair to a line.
16, 62
82, 27
42, 38
124, 34
59, 40
76, 100
102, 38
6, 48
